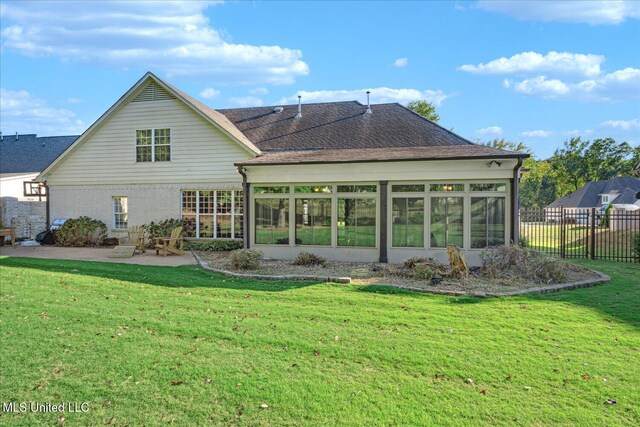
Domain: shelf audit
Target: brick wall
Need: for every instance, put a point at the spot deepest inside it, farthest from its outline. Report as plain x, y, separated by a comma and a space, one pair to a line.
28, 217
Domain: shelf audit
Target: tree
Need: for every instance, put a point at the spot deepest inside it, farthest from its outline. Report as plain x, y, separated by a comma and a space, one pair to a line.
606, 159
503, 144
425, 109
570, 165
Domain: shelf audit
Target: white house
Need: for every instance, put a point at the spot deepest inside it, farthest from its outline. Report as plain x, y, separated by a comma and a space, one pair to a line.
343, 180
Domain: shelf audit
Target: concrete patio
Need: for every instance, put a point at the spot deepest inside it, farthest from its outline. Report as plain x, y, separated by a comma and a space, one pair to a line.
96, 254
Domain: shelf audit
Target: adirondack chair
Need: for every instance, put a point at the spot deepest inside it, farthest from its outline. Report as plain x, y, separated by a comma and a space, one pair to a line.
171, 244
135, 237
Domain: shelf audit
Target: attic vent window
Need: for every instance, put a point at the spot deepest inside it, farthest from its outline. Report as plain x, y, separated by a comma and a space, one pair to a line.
152, 92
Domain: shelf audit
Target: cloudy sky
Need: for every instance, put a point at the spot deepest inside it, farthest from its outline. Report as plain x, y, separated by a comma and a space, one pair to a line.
526, 71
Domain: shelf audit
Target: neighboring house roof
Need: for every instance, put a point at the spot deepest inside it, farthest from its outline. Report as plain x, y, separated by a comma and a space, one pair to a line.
30, 153
339, 125
589, 195
355, 155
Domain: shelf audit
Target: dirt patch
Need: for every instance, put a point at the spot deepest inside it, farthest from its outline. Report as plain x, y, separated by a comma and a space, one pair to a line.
394, 275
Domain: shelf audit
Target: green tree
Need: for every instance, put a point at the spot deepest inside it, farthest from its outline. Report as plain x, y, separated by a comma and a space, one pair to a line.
570, 165
503, 144
425, 109
606, 159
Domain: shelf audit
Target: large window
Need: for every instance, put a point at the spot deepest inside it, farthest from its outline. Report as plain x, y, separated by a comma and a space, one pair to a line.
407, 222
119, 213
212, 213
446, 221
313, 221
153, 145
487, 221
357, 221
272, 221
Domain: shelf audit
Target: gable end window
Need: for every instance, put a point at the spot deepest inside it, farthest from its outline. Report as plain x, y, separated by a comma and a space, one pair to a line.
153, 145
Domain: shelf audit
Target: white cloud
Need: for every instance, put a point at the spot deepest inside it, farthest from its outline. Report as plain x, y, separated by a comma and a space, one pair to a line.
174, 37
589, 12
622, 124
22, 112
491, 130
613, 87
259, 91
246, 101
400, 62
74, 100
587, 65
379, 95
210, 93
536, 134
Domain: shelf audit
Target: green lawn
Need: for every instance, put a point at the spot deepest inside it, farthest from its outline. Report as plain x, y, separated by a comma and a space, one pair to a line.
152, 345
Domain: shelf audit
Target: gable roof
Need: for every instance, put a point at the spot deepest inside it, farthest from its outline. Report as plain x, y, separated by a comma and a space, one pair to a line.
30, 153
210, 115
589, 195
339, 125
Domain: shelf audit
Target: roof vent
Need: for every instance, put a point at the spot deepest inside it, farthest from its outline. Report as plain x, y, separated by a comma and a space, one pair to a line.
16, 136
368, 104
299, 115
278, 110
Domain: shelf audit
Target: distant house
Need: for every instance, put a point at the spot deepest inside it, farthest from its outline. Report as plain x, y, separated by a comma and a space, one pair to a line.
622, 192
341, 179
23, 157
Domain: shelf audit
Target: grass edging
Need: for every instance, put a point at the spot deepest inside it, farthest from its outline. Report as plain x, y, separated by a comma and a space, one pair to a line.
332, 279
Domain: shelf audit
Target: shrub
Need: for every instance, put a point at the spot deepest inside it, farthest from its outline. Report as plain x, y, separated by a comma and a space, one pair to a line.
213, 245
422, 272
517, 263
163, 229
245, 259
524, 242
82, 231
308, 259
607, 215
411, 262
635, 245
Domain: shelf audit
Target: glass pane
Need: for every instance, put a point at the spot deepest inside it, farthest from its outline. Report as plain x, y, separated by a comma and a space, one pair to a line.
446, 187
408, 222
143, 153
188, 202
272, 221
313, 189
313, 221
224, 226
407, 188
163, 153
162, 136
238, 208
357, 188
206, 202
206, 225
357, 222
489, 187
189, 225
487, 221
270, 190
239, 227
224, 202
446, 221
143, 137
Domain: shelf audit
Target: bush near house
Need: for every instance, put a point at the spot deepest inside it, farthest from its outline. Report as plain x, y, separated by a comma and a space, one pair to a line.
81, 231
308, 259
163, 229
518, 263
245, 259
213, 245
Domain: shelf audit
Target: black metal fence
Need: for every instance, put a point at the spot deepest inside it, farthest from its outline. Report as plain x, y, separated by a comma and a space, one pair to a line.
581, 232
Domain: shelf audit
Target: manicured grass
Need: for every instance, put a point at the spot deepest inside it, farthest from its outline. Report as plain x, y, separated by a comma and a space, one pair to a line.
154, 345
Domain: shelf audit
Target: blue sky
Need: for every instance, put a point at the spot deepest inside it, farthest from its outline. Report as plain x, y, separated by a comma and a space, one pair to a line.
537, 72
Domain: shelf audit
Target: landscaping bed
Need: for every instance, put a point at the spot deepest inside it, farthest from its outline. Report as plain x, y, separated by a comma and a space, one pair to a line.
399, 275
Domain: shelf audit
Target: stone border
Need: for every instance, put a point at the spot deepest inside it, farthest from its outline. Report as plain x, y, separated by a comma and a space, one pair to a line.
602, 278
333, 279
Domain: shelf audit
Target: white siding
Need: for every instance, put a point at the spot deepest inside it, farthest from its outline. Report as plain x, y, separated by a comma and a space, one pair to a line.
12, 186
199, 152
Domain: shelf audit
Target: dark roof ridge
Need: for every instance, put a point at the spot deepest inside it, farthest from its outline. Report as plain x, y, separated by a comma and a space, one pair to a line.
440, 126
293, 105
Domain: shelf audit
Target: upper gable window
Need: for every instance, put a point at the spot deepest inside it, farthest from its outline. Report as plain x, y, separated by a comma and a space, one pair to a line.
153, 145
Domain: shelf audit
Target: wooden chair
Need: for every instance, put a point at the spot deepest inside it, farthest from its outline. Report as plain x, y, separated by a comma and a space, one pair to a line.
136, 236
171, 244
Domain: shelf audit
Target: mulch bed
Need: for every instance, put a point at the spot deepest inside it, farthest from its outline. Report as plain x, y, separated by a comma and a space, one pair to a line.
395, 275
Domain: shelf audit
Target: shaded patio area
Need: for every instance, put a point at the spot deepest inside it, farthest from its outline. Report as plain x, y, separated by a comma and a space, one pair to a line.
96, 254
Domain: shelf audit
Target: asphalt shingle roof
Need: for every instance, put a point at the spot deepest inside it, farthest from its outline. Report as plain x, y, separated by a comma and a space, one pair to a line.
339, 125
588, 195
30, 153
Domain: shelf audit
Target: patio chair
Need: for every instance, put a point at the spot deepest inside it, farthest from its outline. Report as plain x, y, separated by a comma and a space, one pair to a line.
136, 236
172, 244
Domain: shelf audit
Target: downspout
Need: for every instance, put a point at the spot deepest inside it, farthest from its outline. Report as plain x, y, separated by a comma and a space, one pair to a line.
245, 203
515, 183
48, 214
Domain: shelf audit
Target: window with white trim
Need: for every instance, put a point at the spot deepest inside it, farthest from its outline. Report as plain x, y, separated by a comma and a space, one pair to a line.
120, 213
153, 145
213, 213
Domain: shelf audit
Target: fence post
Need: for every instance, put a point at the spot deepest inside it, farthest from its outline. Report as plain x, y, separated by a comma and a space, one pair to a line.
562, 232
593, 233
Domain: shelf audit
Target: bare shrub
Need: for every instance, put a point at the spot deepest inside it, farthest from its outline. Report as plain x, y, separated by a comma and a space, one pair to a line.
309, 259
517, 263
422, 272
245, 259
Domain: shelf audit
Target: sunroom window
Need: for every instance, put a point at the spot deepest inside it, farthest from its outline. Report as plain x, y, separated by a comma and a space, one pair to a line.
313, 221
357, 222
487, 221
447, 221
272, 221
407, 222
